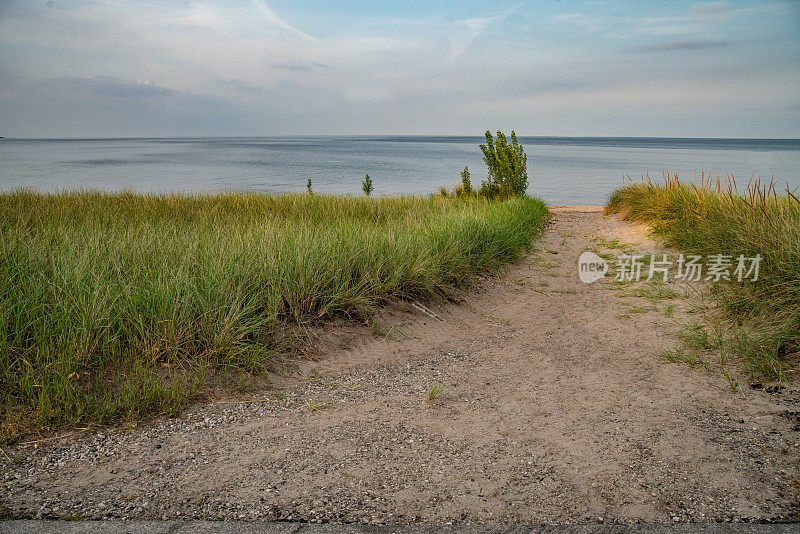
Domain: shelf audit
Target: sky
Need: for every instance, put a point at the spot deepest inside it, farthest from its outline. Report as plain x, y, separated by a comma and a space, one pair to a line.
114, 68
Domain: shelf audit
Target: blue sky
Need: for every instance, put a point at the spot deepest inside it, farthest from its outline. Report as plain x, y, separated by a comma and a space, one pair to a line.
252, 67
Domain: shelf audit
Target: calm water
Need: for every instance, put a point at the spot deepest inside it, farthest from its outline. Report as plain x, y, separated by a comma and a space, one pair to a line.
561, 170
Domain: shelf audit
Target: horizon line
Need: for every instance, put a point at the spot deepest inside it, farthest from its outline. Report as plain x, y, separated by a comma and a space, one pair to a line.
642, 137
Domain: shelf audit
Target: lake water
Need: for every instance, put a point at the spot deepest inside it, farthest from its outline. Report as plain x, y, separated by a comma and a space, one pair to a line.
560, 170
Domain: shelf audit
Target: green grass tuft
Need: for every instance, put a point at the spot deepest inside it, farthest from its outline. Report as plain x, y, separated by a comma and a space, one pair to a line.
713, 218
120, 306
436, 390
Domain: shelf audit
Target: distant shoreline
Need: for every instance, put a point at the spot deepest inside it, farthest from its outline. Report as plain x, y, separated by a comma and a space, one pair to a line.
424, 138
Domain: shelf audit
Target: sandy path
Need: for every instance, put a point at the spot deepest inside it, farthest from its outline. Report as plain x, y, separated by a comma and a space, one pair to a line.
558, 409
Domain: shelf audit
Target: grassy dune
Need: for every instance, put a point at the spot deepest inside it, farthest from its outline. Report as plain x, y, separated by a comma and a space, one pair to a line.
714, 218
123, 305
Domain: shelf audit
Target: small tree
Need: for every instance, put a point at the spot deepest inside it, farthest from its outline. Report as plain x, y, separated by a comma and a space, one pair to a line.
308, 186
508, 166
366, 185
466, 183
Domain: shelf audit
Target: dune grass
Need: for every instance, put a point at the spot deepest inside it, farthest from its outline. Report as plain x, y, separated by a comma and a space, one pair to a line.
713, 217
123, 305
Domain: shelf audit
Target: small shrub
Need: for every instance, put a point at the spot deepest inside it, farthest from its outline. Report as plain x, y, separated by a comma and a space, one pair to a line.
466, 183
508, 172
308, 187
366, 185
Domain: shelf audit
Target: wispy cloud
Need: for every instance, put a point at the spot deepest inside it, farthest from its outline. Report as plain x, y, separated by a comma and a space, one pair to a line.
568, 16
475, 27
272, 18
686, 44
111, 87
710, 12
258, 66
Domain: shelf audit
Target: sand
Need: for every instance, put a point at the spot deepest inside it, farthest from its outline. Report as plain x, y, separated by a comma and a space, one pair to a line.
558, 408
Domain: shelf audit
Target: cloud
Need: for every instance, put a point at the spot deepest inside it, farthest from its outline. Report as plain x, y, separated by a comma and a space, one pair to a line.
699, 15
686, 44
568, 16
231, 21
525, 88
710, 13
299, 67
111, 87
221, 67
272, 18
474, 27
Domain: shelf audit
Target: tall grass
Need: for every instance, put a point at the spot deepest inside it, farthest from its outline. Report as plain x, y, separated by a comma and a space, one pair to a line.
713, 217
124, 305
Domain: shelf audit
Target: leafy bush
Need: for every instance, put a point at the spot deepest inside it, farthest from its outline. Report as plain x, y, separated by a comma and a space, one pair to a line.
366, 185
508, 172
466, 183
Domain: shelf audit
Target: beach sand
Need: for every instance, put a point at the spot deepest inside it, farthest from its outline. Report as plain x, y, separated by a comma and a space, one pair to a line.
558, 407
